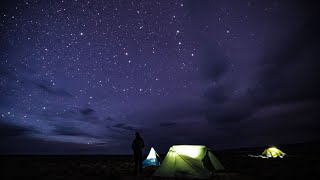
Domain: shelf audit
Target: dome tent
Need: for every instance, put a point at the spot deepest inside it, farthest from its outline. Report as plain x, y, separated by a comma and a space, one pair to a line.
188, 161
273, 152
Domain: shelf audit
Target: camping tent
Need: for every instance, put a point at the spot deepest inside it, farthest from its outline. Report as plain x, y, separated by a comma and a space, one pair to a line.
188, 161
273, 152
151, 159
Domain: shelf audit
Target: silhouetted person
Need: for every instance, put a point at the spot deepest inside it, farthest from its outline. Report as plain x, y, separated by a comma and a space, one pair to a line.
137, 146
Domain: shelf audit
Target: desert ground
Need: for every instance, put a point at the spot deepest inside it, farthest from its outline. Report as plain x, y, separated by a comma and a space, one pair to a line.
302, 162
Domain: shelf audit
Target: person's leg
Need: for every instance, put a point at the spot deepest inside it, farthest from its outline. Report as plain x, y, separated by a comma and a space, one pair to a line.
140, 163
136, 163
140, 166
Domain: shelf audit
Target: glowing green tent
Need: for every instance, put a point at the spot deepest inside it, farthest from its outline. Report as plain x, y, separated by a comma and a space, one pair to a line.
188, 161
152, 159
273, 152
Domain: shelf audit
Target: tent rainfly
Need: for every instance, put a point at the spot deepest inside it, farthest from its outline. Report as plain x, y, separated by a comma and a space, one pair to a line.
188, 161
273, 152
151, 159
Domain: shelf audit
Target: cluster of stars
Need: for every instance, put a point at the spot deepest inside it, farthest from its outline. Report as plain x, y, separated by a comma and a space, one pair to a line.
74, 53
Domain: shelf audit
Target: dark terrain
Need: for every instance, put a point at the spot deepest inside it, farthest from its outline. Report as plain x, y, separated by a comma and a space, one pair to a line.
302, 162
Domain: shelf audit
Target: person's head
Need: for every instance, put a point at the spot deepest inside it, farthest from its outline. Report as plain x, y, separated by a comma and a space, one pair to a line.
137, 134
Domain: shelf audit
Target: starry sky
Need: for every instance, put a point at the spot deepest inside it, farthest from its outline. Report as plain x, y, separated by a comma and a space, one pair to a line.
82, 76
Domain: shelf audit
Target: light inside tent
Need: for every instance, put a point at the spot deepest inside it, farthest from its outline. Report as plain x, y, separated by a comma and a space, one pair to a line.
152, 154
274, 151
189, 150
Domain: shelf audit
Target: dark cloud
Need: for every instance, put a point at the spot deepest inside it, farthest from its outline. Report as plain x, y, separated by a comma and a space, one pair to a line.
54, 91
215, 64
85, 114
4, 72
286, 75
8, 81
183, 109
67, 114
29, 145
89, 115
109, 118
281, 124
167, 124
289, 71
9, 130
71, 131
7, 86
58, 113
217, 94
20, 140
230, 112
293, 76
92, 119
125, 127
87, 111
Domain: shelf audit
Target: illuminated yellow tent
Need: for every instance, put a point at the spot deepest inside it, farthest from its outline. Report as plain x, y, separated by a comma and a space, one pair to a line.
273, 152
188, 161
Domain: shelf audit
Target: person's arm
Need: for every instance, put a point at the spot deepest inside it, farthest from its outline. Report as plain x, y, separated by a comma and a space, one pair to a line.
142, 143
132, 145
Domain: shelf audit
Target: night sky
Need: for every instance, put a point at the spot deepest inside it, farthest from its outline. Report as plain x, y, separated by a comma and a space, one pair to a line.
82, 76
